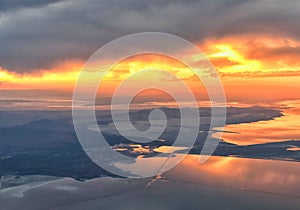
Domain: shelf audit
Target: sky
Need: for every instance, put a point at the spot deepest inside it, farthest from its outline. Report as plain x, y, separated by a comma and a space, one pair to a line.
254, 45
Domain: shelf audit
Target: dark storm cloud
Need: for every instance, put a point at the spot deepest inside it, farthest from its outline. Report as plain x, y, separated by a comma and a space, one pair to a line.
6, 5
33, 38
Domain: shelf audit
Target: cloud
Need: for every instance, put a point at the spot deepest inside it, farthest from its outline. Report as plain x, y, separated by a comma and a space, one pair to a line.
283, 57
40, 34
258, 74
7, 5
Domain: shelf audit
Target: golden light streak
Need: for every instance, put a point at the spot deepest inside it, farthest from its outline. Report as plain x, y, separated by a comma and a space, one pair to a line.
242, 64
62, 77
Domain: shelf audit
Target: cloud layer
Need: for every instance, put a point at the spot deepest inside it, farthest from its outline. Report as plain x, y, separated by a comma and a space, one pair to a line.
39, 34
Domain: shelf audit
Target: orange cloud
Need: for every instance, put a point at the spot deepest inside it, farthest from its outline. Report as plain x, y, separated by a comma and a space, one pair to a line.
250, 54
252, 69
62, 76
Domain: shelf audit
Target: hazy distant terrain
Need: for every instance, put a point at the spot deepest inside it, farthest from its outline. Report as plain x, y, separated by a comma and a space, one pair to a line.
45, 143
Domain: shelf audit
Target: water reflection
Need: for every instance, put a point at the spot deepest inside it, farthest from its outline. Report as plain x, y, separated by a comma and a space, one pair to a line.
293, 149
284, 128
213, 185
278, 177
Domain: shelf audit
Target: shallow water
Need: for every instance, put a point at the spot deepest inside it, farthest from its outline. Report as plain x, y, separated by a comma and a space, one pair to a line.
270, 176
282, 128
226, 182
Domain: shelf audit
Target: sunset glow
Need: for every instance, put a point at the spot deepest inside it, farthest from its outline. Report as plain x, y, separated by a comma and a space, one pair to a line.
158, 104
240, 62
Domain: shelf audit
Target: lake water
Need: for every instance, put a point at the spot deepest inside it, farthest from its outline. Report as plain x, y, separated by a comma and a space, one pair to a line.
282, 128
221, 182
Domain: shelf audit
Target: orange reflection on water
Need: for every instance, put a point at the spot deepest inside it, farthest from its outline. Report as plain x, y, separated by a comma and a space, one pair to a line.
279, 177
293, 149
283, 128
